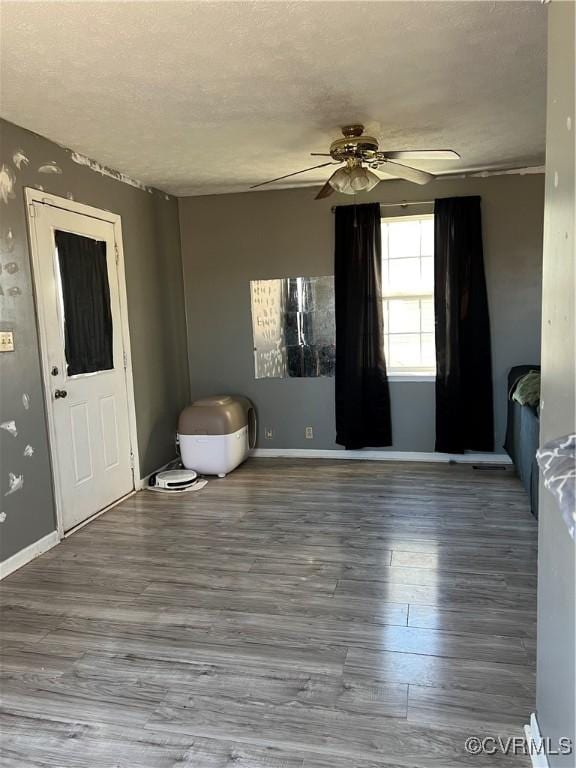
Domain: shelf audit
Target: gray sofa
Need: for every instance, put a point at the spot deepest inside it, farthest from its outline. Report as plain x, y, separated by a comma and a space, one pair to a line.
523, 436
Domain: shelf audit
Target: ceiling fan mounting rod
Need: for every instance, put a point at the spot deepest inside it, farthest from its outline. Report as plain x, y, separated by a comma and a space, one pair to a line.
352, 131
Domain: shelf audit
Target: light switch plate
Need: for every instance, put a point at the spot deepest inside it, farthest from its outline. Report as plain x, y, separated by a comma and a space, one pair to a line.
6, 341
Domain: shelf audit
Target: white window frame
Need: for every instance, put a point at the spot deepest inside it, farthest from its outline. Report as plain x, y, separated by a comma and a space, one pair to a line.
411, 376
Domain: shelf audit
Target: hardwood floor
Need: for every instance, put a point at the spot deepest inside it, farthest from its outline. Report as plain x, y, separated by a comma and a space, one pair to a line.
297, 614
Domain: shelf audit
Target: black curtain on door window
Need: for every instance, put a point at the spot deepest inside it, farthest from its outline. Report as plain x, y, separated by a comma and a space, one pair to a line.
86, 299
362, 396
464, 407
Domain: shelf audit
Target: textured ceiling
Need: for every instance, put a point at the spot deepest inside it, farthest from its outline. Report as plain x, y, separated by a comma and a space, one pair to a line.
209, 97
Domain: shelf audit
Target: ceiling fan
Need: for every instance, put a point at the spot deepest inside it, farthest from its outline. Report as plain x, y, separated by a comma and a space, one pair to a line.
361, 157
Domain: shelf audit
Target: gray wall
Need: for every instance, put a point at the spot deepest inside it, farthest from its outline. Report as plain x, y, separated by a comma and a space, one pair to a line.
156, 317
228, 240
556, 654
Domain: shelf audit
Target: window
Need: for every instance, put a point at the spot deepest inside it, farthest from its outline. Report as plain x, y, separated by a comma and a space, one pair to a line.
85, 297
408, 295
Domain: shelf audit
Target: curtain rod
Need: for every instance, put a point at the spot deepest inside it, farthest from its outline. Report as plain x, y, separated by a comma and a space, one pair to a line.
402, 204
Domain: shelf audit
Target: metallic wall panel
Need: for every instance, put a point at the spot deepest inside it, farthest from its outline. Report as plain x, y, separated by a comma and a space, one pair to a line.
293, 327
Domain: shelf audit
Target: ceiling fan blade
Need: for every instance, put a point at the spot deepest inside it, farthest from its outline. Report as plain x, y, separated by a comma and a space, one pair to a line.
406, 172
423, 154
295, 173
326, 190
320, 154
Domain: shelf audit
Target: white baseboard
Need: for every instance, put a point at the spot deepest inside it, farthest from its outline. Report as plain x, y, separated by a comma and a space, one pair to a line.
28, 553
47, 542
312, 453
535, 745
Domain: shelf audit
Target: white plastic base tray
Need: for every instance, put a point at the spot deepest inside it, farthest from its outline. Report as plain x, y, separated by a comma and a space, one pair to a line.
197, 485
214, 454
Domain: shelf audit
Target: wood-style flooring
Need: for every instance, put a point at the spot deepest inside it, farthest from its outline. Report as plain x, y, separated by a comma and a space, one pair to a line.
297, 614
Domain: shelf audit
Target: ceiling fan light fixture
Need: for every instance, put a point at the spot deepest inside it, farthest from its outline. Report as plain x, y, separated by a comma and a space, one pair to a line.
353, 179
373, 180
362, 180
340, 181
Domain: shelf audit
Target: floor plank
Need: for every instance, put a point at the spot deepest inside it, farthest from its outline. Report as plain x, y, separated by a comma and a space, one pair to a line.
465, 674
440, 706
295, 615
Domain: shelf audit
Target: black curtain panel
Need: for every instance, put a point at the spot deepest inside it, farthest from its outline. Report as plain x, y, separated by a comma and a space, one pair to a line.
464, 406
86, 298
362, 396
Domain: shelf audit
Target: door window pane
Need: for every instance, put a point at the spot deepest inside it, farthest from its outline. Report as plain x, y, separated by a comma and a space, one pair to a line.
85, 295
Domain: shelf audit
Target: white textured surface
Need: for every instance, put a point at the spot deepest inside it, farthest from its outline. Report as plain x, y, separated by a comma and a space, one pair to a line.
202, 97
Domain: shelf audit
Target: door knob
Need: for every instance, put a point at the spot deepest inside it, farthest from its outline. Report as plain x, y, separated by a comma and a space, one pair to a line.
60, 393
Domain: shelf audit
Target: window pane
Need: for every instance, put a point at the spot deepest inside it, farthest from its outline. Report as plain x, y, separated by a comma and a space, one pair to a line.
427, 231
428, 274
404, 350
384, 231
403, 276
428, 350
428, 315
85, 296
404, 239
404, 315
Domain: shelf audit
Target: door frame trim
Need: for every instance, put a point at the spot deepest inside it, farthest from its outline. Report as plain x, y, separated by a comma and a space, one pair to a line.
37, 196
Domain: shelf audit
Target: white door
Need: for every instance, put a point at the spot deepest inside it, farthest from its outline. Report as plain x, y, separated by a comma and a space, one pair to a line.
76, 281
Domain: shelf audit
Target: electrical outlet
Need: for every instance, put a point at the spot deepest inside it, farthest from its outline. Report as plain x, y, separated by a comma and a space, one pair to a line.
309, 433
268, 433
6, 341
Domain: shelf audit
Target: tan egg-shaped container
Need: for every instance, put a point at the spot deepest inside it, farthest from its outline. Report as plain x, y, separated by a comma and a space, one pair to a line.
216, 434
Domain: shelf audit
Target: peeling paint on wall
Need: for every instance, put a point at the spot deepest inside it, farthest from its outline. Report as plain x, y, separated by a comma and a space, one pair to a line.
94, 165
28, 451
26, 401
7, 241
10, 427
50, 167
14, 291
15, 483
19, 158
11, 267
7, 181
2, 517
